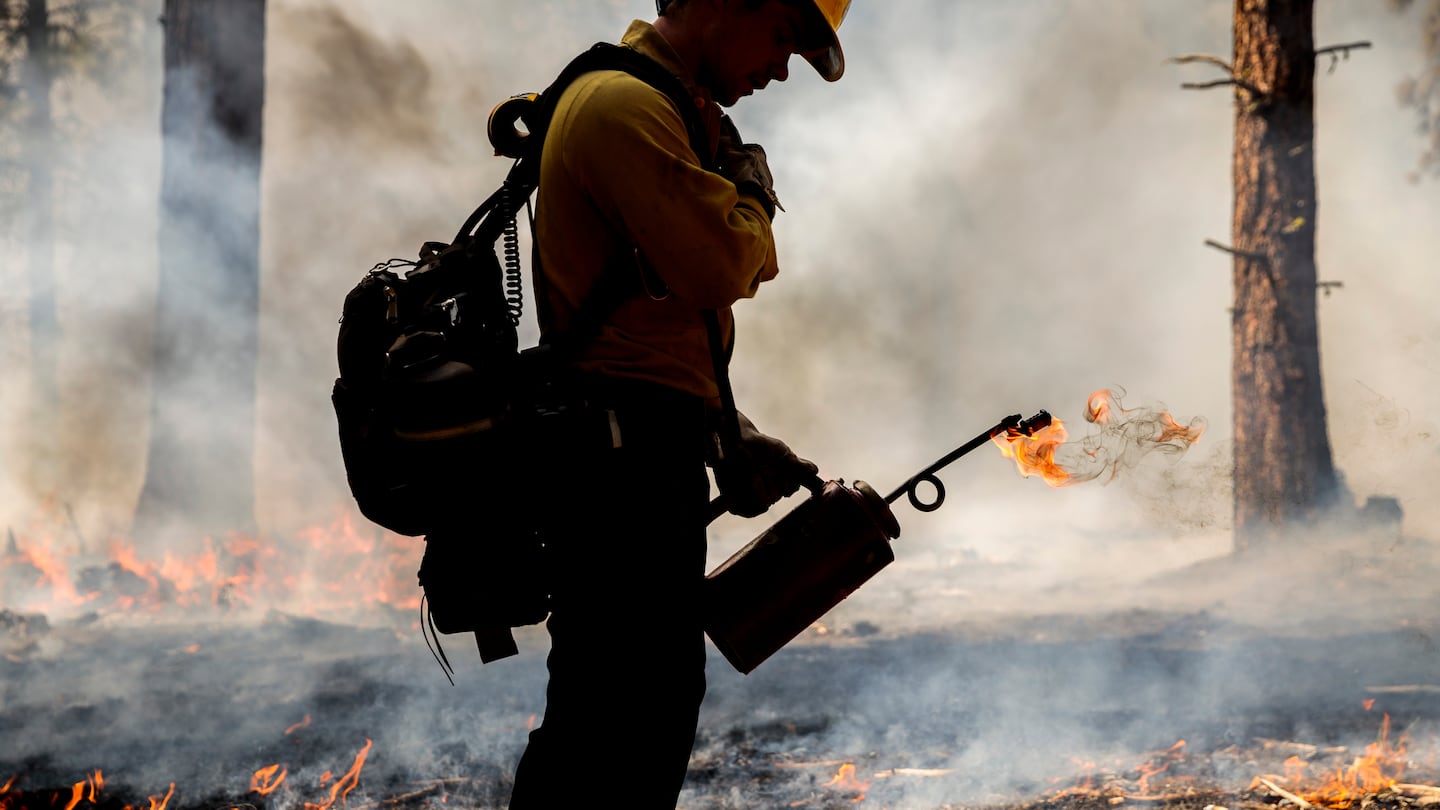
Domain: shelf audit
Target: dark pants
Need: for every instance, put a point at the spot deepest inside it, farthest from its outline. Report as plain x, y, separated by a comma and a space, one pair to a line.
627, 647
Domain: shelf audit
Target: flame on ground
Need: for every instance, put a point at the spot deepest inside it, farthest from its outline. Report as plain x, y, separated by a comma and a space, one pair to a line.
845, 779
267, 779
1126, 436
1155, 764
264, 782
320, 572
1378, 769
344, 784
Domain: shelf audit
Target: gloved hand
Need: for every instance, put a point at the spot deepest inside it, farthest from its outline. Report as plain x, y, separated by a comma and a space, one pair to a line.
745, 165
759, 471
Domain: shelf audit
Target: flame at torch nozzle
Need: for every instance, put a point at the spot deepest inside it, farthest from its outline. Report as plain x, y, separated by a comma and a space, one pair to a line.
1126, 436
1009, 426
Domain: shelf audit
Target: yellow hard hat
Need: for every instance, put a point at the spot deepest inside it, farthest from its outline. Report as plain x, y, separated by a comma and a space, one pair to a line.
826, 56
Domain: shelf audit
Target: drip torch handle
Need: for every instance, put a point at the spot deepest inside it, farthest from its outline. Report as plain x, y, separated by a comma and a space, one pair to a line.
719, 505
1010, 424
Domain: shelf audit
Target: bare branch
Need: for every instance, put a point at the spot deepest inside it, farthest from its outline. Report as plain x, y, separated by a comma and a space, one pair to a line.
1344, 48
1244, 254
1210, 59
1221, 83
1204, 58
1338, 52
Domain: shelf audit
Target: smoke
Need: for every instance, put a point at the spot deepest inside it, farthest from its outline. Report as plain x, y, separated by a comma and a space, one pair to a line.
1000, 209
1002, 215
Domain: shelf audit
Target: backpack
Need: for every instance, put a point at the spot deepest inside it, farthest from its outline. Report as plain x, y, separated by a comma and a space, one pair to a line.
441, 415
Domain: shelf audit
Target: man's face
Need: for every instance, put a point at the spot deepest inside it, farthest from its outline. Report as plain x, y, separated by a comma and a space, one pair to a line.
749, 48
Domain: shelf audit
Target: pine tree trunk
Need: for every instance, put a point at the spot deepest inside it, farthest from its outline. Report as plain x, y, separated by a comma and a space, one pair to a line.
199, 478
39, 239
1284, 475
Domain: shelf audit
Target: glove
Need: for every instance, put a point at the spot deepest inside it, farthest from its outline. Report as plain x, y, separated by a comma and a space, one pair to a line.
759, 471
744, 164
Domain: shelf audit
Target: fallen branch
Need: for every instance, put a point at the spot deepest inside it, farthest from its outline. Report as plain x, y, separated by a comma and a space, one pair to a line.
886, 774
1283, 793
1416, 790
1287, 745
429, 788
823, 763
1406, 689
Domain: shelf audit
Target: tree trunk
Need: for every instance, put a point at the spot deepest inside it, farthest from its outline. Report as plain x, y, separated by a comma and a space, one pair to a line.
199, 478
39, 239
1285, 478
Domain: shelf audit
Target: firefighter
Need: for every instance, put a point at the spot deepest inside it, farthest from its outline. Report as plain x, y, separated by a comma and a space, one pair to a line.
621, 186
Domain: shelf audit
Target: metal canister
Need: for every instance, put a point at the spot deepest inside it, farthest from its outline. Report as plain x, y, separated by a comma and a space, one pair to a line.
794, 572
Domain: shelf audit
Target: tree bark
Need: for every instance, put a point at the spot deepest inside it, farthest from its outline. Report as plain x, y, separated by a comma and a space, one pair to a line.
1285, 478
199, 477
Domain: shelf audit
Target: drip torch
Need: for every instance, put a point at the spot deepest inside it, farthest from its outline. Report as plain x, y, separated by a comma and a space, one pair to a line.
794, 572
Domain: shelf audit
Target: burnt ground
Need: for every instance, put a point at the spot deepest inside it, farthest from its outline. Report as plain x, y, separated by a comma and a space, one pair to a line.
1167, 704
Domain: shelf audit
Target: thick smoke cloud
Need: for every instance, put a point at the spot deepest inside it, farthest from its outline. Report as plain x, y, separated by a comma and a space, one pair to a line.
1001, 208
997, 210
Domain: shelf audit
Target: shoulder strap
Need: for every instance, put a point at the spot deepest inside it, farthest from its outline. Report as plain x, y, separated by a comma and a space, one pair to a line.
608, 56
524, 175
613, 286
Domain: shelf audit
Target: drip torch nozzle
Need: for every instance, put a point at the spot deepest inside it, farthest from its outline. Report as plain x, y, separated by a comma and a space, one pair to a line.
1012, 424
1038, 422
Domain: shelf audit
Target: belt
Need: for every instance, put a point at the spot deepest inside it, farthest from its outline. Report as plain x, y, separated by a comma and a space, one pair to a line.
643, 411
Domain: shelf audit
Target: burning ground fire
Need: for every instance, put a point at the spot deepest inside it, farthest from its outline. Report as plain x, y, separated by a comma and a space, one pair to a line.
264, 783
1126, 436
1168, 777
52, 569
1313, 777
58, 570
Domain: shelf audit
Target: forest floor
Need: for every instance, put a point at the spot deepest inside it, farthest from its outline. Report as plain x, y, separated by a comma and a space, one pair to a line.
1235, 682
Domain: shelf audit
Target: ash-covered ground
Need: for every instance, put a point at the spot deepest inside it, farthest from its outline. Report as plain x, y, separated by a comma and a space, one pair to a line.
990, 703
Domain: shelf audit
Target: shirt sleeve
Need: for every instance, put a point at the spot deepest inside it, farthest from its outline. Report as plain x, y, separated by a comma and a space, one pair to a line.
628, 149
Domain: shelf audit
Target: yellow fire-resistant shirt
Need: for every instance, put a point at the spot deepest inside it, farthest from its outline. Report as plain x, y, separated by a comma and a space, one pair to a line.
618, 175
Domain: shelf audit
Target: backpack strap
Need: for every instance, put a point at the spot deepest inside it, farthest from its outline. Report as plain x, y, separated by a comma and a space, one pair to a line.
487, 223
607, 56
524, 175
614, 284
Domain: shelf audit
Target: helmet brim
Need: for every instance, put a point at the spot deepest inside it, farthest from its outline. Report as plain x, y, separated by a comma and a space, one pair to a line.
822, 50
828, 62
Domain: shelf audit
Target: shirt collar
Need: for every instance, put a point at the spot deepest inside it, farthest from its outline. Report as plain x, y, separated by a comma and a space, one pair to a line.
643, 38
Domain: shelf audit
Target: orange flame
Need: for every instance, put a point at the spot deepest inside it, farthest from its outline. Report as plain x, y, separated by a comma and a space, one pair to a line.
1380, 768
1126, 436
294, 727
55, 575
94, 782
267, 779
1034, 454
344, 784
1157, 765
158, 802
845, 779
